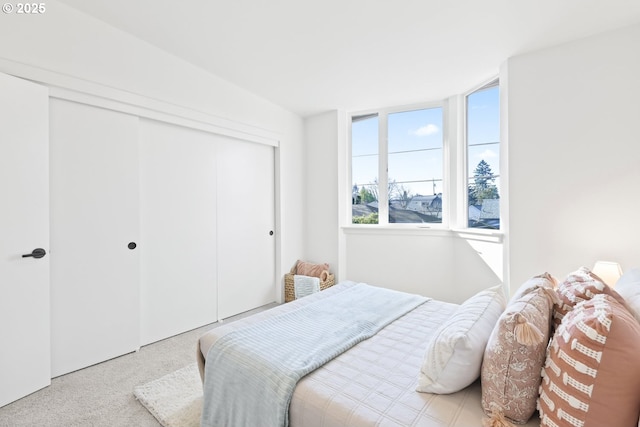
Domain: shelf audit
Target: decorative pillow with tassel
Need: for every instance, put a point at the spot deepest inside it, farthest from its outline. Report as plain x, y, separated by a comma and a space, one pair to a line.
515, 355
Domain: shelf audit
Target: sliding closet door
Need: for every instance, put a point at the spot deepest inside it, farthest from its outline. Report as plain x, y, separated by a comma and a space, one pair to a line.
178, 220
246, 241
94, 229
24, 226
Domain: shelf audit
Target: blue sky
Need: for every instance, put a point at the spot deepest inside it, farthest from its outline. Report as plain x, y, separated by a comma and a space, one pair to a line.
415, 144
483, 127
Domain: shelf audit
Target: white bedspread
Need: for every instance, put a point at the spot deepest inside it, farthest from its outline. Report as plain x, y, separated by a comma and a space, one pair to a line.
258, 367
373, 384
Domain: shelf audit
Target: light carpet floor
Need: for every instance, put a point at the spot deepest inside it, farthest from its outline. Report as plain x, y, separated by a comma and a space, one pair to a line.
102, 395
174, 399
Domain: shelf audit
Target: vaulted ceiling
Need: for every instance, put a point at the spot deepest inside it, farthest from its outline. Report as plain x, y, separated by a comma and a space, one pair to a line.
312, 56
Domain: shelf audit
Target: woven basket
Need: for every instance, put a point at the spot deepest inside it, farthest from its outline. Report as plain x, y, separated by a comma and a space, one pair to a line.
326, 281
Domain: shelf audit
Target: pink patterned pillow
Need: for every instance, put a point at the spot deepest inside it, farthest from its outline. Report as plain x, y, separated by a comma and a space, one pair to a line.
516, 352
592, 376
580, 285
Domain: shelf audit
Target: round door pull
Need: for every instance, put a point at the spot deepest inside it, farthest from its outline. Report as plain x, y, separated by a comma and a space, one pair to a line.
132, 245
271, 233
36, 253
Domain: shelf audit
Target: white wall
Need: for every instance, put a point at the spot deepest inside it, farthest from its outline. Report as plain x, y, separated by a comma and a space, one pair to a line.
573, 154
74, 45
441, 265
67, 49
321, 186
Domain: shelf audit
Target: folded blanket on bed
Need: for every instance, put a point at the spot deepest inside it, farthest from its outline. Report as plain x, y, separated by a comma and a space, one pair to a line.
305, 285
251, 373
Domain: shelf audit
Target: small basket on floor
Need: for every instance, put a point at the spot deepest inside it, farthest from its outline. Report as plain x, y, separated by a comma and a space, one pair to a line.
326, 281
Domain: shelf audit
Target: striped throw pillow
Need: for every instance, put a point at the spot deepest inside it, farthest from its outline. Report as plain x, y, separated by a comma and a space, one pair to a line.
591, 376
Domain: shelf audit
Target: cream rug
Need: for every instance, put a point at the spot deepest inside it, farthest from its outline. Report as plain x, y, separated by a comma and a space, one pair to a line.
175, 399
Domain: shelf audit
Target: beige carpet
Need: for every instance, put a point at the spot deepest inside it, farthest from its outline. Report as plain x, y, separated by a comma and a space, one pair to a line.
175, 399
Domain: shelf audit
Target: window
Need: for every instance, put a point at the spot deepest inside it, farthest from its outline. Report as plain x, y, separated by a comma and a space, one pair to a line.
397, 166
400, 163
483, 157
364, 168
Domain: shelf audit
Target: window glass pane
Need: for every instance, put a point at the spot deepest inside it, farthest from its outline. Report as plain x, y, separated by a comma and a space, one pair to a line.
415, 166
364, 169
483, 157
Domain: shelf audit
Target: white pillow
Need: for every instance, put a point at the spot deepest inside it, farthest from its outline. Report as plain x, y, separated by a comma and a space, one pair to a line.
454, 353
628, 286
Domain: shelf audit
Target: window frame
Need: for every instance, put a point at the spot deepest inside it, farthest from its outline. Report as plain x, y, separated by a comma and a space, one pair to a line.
455, 209
383, 163
464, 173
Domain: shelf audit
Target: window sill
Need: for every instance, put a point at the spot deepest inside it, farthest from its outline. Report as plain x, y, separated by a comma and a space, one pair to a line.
404, 229
495, 236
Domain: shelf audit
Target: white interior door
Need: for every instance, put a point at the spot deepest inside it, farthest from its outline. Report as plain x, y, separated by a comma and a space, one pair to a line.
246, 217
95, 293
178, 220
24, 226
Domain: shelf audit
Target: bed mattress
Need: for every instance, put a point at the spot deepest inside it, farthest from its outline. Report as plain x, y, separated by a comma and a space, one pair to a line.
373, 383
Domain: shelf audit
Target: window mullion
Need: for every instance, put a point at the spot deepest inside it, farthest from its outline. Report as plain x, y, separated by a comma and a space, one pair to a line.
383, 169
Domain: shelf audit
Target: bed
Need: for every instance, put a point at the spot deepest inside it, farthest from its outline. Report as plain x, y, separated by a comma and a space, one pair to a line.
374, 382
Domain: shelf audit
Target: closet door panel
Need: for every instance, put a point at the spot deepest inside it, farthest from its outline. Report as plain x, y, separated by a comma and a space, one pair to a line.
246, 233
94, 216
24, 226
178, 217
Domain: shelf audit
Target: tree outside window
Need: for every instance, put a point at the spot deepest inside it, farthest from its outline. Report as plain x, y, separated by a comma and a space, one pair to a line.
483, 157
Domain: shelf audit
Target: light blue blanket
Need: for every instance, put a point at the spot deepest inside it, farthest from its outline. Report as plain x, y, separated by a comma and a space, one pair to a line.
252, 372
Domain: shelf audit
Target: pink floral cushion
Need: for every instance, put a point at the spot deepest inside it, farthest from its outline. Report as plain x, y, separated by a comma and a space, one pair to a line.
516, 352
545, 280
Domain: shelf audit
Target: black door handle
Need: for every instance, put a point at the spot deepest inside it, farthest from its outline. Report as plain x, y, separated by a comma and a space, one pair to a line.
36, 253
